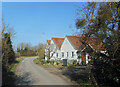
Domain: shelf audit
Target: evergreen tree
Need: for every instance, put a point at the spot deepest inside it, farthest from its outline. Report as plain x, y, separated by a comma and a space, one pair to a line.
8, 57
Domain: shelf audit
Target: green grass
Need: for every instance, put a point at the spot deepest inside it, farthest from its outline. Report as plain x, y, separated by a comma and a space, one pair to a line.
36, 61
86, 84
12, 69
9, 72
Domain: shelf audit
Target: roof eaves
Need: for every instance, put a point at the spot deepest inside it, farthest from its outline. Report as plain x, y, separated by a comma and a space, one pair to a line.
83, 49
71, 42
91, 47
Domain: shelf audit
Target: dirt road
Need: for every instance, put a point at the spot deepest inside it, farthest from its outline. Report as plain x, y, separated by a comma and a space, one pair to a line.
29, 73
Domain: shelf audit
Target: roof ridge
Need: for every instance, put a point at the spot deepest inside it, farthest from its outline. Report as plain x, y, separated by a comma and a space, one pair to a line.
58, 41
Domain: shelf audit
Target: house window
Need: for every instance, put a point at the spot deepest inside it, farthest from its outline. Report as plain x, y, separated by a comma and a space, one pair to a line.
67, 54
62, 54
72, 54
56, 54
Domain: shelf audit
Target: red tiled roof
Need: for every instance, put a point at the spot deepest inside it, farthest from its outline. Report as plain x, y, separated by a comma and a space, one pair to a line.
76, 42
58, 41
48, 41
93, 42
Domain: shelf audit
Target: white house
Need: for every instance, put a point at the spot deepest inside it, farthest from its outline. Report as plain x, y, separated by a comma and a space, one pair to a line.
71, 48
53, 47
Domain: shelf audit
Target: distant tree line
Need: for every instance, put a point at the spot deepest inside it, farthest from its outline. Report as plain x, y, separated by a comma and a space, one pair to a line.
25, 49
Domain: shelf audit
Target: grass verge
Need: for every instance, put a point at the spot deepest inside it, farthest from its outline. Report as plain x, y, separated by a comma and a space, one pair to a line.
18, 60
8, 74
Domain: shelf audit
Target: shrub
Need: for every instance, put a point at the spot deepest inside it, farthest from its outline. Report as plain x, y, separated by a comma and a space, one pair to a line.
74, 62
48, 61
43, 61
52, 62
79, 57
59, 62
68, 64
78, 64
70, 61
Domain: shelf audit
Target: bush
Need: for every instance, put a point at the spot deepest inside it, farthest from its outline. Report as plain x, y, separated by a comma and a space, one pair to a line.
78, 64
70, 62
79, 57
108, 73
43, 61
48, 61
74, 62
59, 61
52, 62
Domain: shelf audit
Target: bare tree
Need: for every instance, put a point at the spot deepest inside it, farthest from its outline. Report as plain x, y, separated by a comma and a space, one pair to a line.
41, 50
50, 51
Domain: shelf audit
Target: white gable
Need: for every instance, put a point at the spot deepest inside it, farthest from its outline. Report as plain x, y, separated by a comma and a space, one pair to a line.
67, 49
55, 49
52, 45
52, 42
66, 45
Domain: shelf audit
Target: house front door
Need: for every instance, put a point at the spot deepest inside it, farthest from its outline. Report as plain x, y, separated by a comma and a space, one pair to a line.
83, 58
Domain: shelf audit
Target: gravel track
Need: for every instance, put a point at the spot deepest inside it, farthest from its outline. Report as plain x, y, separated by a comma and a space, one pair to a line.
28, 73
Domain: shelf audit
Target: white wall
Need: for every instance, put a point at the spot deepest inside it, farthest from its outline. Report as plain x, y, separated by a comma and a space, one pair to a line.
67, 47
53, 47
87, 58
